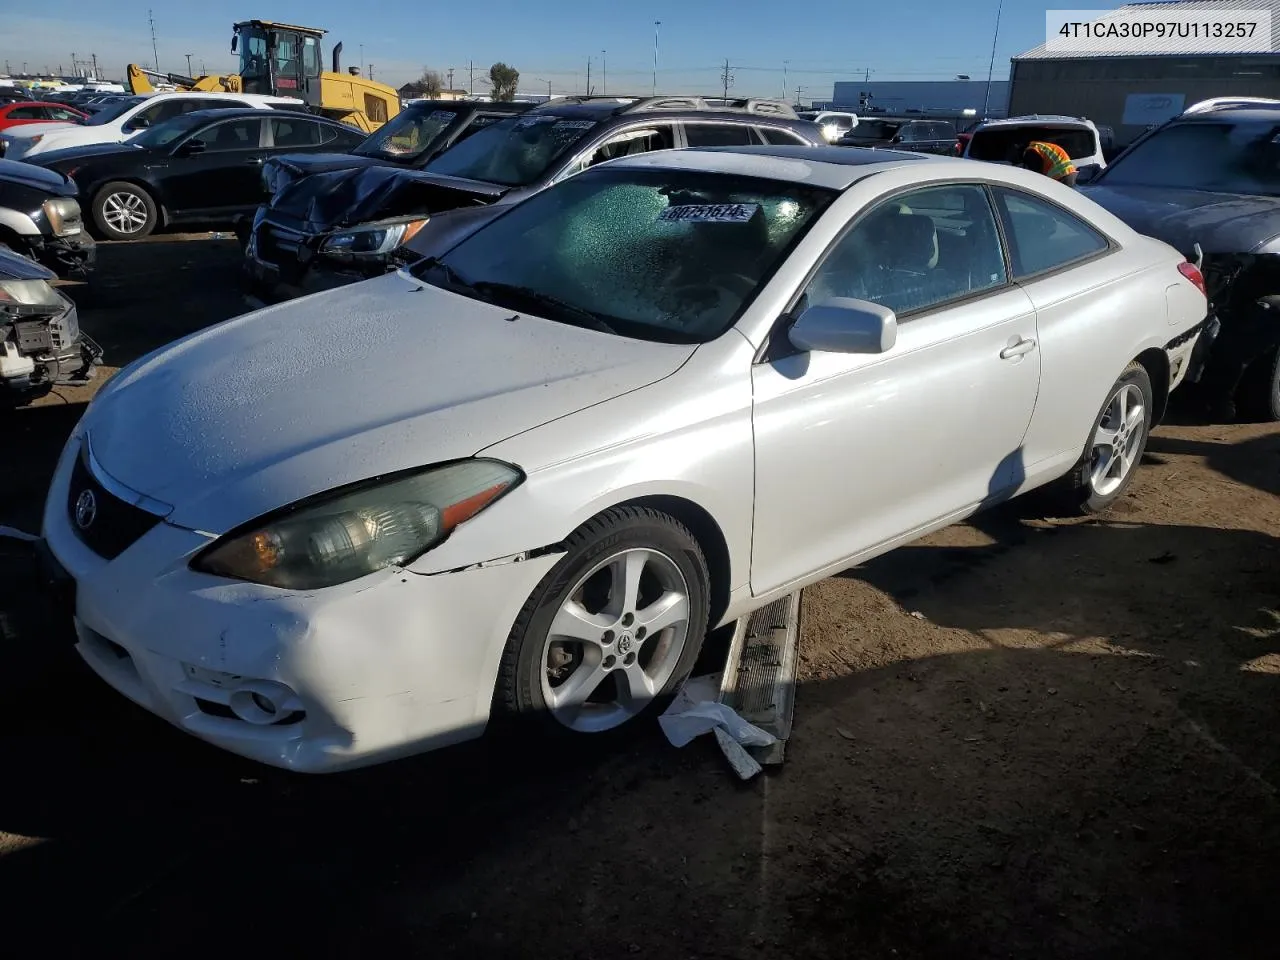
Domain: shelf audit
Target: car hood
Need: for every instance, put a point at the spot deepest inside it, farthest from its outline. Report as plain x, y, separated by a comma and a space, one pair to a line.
22, 131
29, 175
280, 172
342, 198
15, 267
390, 374
88, 151
1219, 222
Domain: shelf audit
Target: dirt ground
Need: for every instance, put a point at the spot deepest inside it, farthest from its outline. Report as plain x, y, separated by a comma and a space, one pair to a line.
1017, 738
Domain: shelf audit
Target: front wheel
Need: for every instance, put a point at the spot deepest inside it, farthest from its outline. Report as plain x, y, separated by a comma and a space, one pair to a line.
612, 631
1116, 445
1260, 389
124, 211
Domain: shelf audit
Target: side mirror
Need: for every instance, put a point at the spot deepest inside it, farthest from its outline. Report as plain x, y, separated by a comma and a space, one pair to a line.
191, 148
137, 123
1088, 172
845, 325
235, 41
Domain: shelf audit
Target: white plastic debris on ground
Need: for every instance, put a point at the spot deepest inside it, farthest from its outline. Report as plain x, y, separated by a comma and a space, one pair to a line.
696, 710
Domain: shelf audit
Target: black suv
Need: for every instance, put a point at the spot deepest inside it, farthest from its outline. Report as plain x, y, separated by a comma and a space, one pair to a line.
917, 136
1208, 183
411, 139
332, 228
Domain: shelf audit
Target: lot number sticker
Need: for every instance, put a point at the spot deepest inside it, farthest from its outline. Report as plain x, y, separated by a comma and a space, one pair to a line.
710, 213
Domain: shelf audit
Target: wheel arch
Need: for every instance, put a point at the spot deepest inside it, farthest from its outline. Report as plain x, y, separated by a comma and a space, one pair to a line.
162, 209
1156, 363
705, 529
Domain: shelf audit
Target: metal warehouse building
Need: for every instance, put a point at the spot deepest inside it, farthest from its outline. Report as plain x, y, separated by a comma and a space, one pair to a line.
1131, 92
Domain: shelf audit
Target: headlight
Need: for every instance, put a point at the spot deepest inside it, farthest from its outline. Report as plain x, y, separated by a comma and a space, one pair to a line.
64, 216
372, 239
354, 531
830, 131
28, 293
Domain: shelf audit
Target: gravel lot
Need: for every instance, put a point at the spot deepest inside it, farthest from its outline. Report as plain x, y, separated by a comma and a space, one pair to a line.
1017, 738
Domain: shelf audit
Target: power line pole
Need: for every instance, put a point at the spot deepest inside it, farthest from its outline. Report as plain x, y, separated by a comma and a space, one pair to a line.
362, 59
986, 100
95, 66
785, 63
371, 71
604, 74
726, 78
451, 78
656, 25
73, 64
188, 56
154, 52
588, 76
472, 65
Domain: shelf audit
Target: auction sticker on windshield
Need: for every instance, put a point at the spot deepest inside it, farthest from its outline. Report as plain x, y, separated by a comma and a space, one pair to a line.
711, 213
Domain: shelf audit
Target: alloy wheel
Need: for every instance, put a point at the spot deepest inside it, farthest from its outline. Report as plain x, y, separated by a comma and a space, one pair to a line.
125, 212
1117, 440
615, 641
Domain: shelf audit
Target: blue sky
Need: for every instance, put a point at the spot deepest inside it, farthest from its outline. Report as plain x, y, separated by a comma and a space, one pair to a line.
823, 40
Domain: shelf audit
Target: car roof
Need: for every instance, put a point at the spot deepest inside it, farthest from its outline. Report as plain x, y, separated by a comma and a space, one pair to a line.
229, 113
1245, 114
1036, 120
832, 167
247, 97
508, 106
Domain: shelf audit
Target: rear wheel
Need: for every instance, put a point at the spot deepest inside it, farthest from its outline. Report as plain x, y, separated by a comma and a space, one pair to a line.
1260, 390
612, 631
124, 211
1116, 445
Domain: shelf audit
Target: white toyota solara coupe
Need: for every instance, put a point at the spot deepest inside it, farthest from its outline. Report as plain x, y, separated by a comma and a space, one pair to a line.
522, 478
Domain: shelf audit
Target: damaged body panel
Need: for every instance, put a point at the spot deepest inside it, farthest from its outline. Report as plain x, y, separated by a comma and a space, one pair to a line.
1204, 184
40, 218
41, 345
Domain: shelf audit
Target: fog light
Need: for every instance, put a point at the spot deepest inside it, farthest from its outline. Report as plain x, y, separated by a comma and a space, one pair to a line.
263, 702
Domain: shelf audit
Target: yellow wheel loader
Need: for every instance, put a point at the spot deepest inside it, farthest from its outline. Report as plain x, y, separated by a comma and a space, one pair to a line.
283, 60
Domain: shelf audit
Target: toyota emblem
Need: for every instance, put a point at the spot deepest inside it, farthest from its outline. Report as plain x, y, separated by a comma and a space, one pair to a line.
86, 509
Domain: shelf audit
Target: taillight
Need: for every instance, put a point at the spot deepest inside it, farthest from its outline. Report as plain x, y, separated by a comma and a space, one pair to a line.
1192, 273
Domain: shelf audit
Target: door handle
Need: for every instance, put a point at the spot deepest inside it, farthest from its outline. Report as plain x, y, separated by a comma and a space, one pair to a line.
1018, 349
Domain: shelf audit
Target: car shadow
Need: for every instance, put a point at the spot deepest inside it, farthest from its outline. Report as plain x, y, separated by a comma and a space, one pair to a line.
1254, 461
1111, 793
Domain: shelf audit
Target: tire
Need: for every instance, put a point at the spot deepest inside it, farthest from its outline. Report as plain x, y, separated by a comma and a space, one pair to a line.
1092, 487
125, 204
1259, 395
538, 665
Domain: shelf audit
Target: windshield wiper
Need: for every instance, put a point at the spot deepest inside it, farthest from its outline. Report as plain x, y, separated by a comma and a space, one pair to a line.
575, 314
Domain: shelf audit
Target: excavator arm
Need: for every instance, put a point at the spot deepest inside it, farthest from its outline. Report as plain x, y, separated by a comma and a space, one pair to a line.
139, 80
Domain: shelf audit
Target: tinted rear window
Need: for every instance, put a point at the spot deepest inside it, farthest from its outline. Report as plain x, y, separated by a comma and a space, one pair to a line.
1005, 144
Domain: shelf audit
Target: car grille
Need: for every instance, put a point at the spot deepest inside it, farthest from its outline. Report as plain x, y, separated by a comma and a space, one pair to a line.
277, 245
107, 524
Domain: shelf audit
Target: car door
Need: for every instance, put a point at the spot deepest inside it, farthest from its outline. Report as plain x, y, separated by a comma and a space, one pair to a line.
221, 177
857, 451
1080, 294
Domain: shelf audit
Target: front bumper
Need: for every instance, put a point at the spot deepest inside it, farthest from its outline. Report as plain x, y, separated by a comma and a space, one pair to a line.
283, 260
389, 665
69, 257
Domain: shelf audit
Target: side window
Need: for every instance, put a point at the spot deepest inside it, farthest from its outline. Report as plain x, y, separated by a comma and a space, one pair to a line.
375, 108
630, 142
242, 134
211, 103
843, 124
718, 134
916, 251
60, 113
777, 135
1043, 236
346, 135
26, 113
294, 132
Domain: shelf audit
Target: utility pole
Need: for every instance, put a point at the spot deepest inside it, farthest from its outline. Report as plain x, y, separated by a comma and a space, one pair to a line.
188, 64
726, 78
362, 59
154, 52
73, 64
95, 66
548, 89
371, 71
868, 77
451, 78
472, 65
604, 75
588, 76
799, 95
656, 25
785, 63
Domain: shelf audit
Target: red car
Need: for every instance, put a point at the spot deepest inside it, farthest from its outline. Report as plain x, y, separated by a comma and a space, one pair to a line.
12, 114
